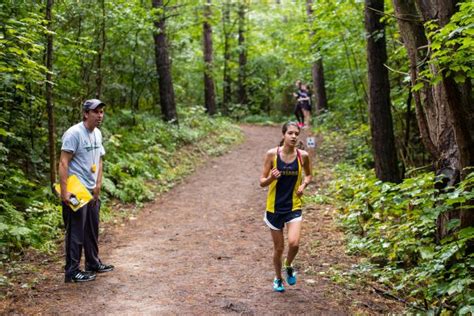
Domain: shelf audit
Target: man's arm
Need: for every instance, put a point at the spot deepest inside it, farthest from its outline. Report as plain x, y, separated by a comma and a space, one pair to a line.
64, 161
98, 184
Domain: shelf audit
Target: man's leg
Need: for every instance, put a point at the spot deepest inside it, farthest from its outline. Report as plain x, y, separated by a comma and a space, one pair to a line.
91, 235
74, 239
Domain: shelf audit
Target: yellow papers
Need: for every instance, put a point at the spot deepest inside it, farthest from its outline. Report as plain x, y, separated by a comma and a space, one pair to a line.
76, 188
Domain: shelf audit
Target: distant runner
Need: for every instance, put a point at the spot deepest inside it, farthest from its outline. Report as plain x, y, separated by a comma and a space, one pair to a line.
282, 171
298, 111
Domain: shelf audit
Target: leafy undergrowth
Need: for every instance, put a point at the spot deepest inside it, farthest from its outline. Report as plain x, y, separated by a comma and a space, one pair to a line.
393, 227
145, 157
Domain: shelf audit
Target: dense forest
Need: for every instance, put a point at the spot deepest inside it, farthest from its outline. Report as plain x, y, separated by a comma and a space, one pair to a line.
392, 99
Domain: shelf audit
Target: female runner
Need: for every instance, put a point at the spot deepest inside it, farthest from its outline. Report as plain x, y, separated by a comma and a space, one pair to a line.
282, 171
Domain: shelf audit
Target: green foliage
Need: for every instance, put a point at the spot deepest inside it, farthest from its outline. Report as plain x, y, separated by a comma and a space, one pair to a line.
394, 226
265, 119
452, 46
343, 139
37, 226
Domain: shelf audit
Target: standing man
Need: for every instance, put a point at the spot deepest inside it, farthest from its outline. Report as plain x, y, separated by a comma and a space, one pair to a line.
81, 155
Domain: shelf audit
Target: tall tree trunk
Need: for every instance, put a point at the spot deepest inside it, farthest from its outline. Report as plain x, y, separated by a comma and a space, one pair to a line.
227, 92
209, 89
414, 39
242, 91
444, 110
457, 98
381, 126
100, 53
49, 95
163, 66
319, 85
317, 69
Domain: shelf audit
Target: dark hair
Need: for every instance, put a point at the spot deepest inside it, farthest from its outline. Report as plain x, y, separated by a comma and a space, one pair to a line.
285, 126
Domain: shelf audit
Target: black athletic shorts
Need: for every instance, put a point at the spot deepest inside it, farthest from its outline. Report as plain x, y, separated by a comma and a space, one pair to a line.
276, 221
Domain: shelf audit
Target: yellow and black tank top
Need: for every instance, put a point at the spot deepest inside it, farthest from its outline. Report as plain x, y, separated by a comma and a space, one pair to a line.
282, 196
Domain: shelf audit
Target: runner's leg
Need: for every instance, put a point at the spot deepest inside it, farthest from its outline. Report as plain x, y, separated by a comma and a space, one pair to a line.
294, 232
298, 113
278, 247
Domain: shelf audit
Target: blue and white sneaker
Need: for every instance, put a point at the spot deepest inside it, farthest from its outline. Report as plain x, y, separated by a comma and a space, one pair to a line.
278, 285
290, 274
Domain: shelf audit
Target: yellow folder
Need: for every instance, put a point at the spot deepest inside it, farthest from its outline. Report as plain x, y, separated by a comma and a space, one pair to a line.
75, 187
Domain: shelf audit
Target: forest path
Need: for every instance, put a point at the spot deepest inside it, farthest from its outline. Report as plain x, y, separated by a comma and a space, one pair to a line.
203, 249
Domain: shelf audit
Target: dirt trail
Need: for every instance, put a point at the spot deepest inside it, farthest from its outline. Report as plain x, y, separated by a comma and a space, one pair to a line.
202, 249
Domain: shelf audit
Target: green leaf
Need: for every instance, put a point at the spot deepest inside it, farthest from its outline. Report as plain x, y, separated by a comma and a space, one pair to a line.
466, 233
417, 86
20, 231
454, 223
457, 286
427, 252
459, 77
466, 310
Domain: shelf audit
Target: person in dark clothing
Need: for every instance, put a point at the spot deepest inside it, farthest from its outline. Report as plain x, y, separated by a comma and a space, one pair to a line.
305, 104
298, 110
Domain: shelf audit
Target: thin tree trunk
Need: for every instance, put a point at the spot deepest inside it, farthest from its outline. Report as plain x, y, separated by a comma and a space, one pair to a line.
350, 53
209, 89
317, 69
226, 98
406, 140
360, 107
100, 53
49, 95
163, 66
381, 126
242, 91
134, 103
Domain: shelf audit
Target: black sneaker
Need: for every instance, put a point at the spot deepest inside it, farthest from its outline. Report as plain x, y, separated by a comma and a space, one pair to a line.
80, 276
101, 268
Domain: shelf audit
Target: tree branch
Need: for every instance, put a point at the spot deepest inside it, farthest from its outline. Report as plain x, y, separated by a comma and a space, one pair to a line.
416, 18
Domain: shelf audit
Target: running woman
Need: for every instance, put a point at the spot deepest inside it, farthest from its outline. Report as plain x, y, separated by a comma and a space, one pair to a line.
282, 171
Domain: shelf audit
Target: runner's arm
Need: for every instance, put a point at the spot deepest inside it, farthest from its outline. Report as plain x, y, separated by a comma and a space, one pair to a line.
308, 173
269, 174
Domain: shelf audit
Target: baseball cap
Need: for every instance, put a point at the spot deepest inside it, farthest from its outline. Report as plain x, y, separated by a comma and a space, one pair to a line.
92, 104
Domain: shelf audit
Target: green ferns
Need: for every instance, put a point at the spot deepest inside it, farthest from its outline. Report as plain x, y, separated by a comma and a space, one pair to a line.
394, 226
